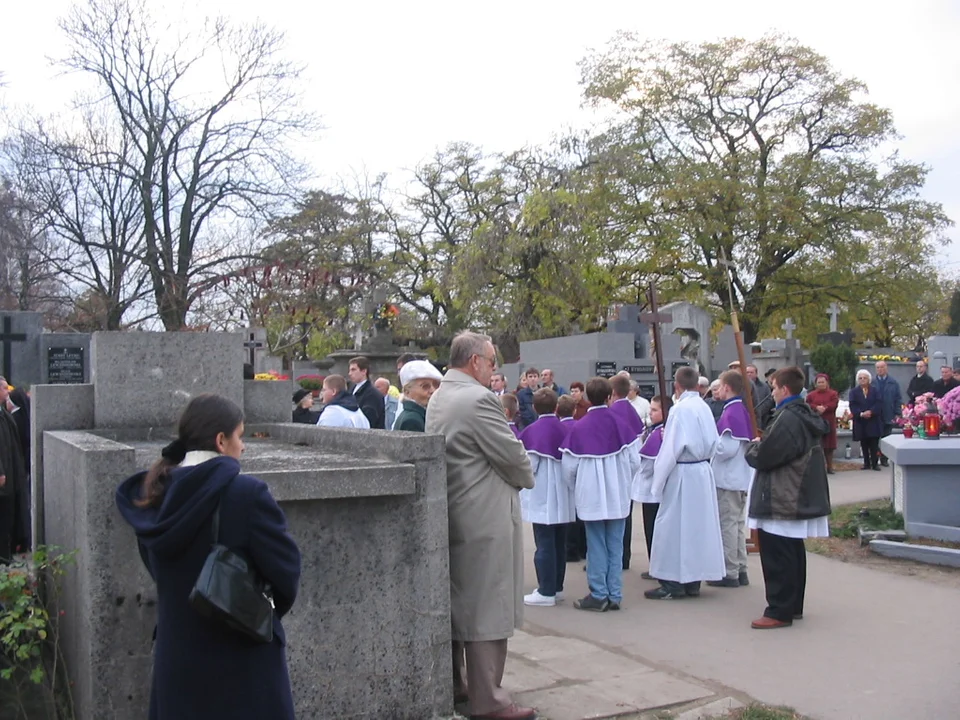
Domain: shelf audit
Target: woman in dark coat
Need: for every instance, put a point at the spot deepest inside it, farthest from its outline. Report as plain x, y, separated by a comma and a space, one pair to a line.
202, 668
824, 400
866, 408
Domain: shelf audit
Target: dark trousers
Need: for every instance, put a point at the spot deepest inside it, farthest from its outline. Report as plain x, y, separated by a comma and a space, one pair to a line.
8, 514
627, 539
784, 562
870, 448
550, 557
650, 511
690, 588
576, 541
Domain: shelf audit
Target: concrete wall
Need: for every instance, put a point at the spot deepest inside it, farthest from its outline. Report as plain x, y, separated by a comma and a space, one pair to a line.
108, 598
144, 379
930, 471
53, 407
268, 400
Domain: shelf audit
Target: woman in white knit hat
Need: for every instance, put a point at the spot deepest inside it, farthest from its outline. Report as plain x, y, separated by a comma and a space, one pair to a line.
419, 380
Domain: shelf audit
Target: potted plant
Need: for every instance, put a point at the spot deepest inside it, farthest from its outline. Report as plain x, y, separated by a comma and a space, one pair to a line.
313, 383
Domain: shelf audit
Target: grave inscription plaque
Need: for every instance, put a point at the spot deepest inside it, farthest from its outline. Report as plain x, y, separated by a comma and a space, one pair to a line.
605, 369
65, 365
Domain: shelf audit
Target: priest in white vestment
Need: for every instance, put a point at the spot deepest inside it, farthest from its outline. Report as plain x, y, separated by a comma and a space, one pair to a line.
688, 547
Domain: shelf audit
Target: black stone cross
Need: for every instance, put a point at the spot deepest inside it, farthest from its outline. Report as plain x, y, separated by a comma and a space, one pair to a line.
8, 337
253, 345
654, 318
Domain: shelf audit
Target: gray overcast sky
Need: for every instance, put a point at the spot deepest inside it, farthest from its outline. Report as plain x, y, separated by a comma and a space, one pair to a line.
393, 81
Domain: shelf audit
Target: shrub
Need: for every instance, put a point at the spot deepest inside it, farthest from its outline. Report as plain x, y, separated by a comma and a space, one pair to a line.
311, 382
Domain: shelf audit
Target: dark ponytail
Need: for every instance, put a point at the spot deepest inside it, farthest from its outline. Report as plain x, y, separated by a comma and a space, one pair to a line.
205, 417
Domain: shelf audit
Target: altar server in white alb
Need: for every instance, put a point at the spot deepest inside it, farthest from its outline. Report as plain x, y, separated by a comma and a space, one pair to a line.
642, 491
549, 504
688, 547
600, 458
733, 477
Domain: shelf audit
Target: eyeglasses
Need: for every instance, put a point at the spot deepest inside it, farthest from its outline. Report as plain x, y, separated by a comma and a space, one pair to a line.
491, 360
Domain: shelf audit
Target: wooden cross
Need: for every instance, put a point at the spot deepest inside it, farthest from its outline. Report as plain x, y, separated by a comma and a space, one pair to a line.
8, 337
834, 312
654, 318
789, 327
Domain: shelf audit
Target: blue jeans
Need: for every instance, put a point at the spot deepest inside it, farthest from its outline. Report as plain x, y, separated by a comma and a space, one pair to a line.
550, 558
605, 558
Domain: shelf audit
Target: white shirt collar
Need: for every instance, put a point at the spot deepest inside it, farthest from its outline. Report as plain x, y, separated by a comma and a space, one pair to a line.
196, 457
597, 407
355, 389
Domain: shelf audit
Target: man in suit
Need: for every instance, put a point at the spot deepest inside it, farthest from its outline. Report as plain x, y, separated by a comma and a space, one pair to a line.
920, 383
367, 396
498, 384
892, 403
486, 468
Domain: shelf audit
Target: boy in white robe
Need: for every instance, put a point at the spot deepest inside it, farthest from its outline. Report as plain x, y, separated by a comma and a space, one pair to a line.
733, 476
642, 490
600, 458
549, 504
688, 546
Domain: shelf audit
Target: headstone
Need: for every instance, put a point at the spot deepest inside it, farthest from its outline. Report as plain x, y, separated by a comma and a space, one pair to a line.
20, 347
725, 349
789, 327
255, 347
693, 324
351, 499
943, 350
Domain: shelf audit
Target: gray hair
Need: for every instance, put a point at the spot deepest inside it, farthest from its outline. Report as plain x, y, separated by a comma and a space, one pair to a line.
703, 381
861, 373
465, 345
635, 386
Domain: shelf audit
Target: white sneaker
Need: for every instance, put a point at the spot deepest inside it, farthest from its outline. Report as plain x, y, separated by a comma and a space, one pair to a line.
535, 598
559, 596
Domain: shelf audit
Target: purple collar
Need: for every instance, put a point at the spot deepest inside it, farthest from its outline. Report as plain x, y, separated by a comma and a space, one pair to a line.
735, 419
598, 434
543, 436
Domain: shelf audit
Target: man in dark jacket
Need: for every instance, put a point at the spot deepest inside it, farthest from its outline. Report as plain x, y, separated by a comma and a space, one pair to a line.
366, 395
762, 399
920, 383
892, 403
946, 383
527, 415
790, 498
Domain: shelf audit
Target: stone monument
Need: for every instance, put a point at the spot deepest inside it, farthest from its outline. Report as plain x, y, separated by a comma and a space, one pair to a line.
369, 635
29, 355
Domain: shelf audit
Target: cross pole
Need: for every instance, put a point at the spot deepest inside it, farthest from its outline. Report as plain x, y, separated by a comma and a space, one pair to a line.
7, 338
655, 318
741, 352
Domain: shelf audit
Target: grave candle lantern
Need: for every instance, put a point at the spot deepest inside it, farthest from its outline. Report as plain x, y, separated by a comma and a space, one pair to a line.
931, 422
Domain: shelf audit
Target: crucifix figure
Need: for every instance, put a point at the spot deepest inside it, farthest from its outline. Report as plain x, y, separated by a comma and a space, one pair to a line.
8, 337
834, 312
789, 327
654, 318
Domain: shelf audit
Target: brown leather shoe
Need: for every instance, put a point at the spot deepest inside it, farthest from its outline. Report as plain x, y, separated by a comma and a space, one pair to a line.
511, 712
768, 623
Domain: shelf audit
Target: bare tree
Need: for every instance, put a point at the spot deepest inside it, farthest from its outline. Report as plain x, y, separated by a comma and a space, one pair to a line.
208, 113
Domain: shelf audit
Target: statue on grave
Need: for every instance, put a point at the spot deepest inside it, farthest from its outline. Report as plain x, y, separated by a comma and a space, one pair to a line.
690, 345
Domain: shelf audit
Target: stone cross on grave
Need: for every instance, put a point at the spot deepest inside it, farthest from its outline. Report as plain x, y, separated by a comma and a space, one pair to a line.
834, 312
7, 338
655, 318
789, 326
253, 343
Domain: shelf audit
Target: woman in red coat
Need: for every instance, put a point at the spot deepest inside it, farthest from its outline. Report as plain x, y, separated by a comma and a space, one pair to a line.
824, 401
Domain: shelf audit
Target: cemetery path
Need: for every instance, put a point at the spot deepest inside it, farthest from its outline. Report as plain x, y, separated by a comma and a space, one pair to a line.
873, 645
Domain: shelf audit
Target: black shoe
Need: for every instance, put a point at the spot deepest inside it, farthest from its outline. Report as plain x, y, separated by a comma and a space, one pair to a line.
661, 593
798, 616
877, 468
693, 592
726, 582
744, 580
613, 605
865, 467
884, 462
647, 576
589, 602
831, 471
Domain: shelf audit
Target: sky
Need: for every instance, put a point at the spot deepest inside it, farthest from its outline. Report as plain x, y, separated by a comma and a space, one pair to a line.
394, 81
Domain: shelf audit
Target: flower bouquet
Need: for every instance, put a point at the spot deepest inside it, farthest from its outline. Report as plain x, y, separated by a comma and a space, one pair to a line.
271, 375
949, 406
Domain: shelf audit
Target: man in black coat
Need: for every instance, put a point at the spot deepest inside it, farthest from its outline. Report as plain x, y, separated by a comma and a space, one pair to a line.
920, 383
946, 383
13, 482
789, 499
367, 396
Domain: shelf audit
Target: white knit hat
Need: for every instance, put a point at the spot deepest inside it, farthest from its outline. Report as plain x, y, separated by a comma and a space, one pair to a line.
417, 370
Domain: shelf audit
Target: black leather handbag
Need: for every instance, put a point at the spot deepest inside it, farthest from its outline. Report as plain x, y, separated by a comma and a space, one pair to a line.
229, 590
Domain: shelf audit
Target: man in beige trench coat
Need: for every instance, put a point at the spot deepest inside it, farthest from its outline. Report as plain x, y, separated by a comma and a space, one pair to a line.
486, 468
